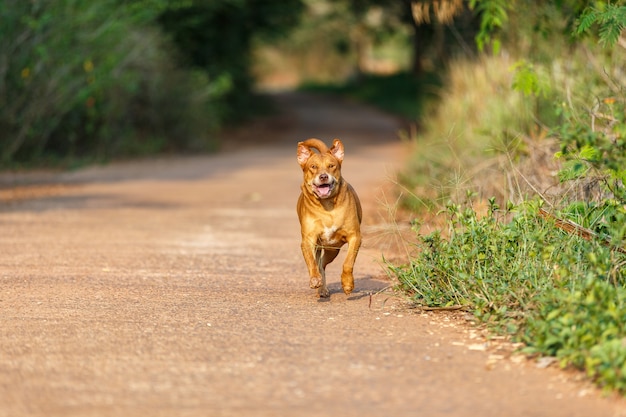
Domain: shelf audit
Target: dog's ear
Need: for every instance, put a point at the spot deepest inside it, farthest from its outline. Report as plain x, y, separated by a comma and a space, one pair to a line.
304, 153
337, 150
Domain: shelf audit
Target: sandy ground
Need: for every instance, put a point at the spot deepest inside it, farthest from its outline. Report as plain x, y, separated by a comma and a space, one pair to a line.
176, 287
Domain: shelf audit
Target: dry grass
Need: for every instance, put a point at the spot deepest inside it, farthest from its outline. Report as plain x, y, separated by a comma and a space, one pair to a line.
481, 136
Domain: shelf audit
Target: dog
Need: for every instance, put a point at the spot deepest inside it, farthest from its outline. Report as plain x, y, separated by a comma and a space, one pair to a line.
330, 213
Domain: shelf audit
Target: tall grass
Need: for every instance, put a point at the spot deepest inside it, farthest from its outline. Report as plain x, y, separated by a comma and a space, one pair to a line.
472, 135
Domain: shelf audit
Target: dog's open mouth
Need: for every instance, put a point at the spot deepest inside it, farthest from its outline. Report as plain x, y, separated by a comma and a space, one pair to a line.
323, 190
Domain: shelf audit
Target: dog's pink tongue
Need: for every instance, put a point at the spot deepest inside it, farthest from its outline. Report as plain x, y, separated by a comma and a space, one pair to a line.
323, 190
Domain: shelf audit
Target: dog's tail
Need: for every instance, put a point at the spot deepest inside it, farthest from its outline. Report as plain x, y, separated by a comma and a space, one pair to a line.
315, 143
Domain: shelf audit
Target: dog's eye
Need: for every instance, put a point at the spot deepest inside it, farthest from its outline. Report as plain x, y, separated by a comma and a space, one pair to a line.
331, 166
313, 166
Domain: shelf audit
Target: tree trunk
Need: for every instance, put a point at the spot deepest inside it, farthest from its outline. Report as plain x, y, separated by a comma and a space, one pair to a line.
419, 50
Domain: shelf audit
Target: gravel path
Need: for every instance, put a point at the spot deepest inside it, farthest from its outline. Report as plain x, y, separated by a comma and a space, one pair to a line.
176, 287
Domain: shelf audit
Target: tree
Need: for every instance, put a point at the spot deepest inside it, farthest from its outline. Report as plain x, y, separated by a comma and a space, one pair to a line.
428, 20
216, 36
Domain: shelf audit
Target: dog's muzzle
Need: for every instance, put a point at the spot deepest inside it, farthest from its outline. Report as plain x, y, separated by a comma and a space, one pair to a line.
324, 185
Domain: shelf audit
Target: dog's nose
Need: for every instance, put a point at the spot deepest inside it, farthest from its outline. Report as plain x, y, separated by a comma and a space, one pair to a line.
323, 177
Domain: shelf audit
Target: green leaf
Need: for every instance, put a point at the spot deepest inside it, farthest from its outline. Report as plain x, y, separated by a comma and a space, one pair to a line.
611, 20
527, 80
589, 153
572, 170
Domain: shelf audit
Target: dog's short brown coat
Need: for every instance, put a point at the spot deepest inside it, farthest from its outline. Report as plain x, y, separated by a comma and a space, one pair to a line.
329, 211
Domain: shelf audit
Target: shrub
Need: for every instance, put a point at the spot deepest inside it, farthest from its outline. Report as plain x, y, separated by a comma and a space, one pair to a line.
79, 77
560, 294
583, 325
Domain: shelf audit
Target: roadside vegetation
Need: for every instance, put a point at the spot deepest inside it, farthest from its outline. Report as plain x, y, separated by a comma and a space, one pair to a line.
523, 161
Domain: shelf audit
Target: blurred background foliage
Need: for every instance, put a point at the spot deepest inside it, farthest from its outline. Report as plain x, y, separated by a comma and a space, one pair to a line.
87, 81
90, 80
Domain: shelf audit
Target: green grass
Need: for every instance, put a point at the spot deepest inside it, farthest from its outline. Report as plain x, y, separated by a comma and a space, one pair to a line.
561, 295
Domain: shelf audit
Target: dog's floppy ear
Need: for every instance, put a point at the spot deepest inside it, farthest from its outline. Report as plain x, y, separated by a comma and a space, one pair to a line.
337, 150
304, 153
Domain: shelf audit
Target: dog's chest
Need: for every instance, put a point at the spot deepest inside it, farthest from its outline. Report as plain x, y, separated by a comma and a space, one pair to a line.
329, 235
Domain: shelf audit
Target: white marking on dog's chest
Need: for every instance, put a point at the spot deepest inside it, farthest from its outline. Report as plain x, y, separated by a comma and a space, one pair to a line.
329, 233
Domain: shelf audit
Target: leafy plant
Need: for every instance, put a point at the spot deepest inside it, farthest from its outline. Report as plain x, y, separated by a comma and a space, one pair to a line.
527, 80
493, 17
486, 264
583, 324
606, 364
560, 294
610, 17
597, 145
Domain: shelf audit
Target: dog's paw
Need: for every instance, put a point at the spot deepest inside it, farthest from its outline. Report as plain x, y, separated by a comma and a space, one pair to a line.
323, 292
315, 282
347, 283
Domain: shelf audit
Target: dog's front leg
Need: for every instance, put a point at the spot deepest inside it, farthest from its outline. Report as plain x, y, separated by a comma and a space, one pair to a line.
308, 251
347, 277
320, 257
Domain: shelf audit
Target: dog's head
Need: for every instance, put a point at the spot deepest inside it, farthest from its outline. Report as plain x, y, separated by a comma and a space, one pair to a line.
322, 171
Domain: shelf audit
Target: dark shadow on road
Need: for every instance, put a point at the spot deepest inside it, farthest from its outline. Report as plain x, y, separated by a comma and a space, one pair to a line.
363, 287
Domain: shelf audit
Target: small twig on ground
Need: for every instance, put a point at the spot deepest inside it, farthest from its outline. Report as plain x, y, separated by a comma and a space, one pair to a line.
371, 294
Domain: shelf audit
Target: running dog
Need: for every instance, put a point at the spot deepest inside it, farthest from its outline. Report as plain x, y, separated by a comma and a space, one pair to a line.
329, 211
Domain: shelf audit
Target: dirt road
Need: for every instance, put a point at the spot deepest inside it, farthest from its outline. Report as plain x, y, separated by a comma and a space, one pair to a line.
176, 287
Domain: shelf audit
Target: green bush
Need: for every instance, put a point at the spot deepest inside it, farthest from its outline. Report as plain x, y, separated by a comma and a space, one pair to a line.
561, 295
583, 325
83, 78
217, 37
593, 148
485, 263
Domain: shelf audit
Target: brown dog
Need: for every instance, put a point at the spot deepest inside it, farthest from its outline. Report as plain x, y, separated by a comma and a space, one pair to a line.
329, 212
